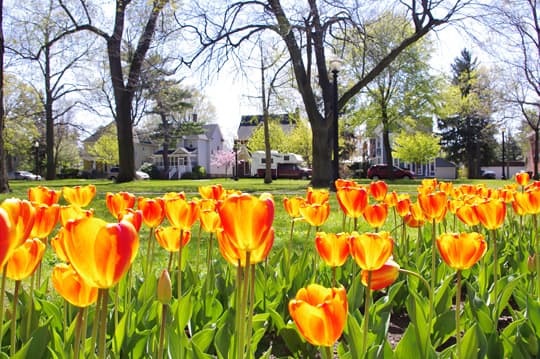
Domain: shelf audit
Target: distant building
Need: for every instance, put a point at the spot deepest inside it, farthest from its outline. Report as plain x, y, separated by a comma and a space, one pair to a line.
192, 151
143, 150
248, 124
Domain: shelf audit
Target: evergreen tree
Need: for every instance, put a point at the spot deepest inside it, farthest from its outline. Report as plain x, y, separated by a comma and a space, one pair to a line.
467, 131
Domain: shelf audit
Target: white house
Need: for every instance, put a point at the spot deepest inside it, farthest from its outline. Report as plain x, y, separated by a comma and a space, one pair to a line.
438, 168
192, 151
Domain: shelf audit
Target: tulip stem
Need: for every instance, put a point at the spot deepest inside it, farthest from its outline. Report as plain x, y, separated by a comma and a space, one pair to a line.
180, 266
31, 305
537, 259
290, 246
162, 331
251, 305
366, 311
3, 290
103, 323
495, 276
78, 332
14, 319
97, 313
243, 308
458, 310
326, 352
433, 271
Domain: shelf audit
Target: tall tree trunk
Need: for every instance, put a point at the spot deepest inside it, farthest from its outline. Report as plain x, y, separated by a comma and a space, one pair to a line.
535, 154
4, 185
388, 158
49, 120
322, 153
166, 141
124, 132
267, 146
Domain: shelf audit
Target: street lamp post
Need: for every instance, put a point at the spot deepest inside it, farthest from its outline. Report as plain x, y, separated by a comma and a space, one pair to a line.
36, 155
235, 147
503, 162
335, 65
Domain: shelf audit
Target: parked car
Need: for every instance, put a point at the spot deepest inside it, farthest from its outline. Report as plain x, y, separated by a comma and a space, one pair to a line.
288, 170
488, 174
140, 175
24, 175
385, 172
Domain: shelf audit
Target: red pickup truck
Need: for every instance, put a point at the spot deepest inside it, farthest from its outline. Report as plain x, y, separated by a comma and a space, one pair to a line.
287, 170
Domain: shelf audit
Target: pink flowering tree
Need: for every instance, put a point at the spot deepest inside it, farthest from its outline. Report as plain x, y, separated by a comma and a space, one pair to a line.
223, 158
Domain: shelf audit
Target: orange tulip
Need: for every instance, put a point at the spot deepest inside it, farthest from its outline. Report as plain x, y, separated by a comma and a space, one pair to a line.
333, 248
45, 220
467, 215
391, 199
371, 250
402, 206
461, 251
181, 213
232, 254
208, 216
413, 220
317, 196
315, 214
341, 183
292, 206
8, 242
153, 210
518, 205
215, 192
382, 277
523, 178
247, 220
433, 205
79, 196
528, 200
133, 216
174, 195
378, 190
57, 244
352, 200
100, 252
25, 259
447, 187
169, 238
491, 213
73, 212
320, 313
117, 202
164, 287
22, 216
375, 215
43, 195
72, 287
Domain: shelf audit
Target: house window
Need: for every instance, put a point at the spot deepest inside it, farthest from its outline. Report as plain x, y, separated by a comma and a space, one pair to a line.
286, 158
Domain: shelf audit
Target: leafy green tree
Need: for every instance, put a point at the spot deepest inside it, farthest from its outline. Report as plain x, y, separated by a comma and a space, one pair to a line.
278, 139
299, 141
418, 147
105, 149
22, 108
124, 71
467, 130
311, 33
404, 95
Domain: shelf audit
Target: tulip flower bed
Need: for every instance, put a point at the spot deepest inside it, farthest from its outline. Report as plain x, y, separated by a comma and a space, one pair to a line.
444, 271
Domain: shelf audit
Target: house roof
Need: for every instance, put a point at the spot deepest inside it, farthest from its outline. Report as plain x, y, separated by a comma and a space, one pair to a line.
248, 124
441, 162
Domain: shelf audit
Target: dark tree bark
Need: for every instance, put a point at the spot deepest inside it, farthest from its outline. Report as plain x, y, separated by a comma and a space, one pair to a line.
4, 185
124, 87
308, 38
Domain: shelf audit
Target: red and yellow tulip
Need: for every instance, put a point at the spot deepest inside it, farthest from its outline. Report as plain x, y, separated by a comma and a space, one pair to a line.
320, 313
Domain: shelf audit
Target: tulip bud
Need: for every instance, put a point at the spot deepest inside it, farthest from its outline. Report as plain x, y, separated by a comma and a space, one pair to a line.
531, 263
164, 288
